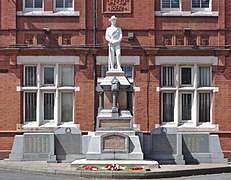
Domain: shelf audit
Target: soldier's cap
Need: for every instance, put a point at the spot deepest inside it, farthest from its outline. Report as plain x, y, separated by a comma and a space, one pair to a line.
112, 18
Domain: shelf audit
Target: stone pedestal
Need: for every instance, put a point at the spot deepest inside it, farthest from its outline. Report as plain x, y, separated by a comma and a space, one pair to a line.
114, 145
114, 137
34, 147
68, 144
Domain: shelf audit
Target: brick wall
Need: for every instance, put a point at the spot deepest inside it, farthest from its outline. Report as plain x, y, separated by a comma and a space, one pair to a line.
149, 31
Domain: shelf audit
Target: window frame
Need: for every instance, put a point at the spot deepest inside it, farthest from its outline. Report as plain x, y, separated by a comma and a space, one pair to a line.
43, 75
211, 107
60, 75
162, 76
24, 75
64, 8
40, 89
162, 106
60, 106
210, 76
194, 89
181, 109
202, 9
32, 9
24, 106
43, 107
192, 77
170, 9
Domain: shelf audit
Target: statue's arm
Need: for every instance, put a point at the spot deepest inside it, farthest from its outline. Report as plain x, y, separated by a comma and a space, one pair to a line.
107, 36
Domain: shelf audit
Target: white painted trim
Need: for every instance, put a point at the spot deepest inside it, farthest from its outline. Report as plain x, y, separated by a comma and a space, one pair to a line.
126, 60
18, 88
48, 59
187, 13
48, 13
186, 60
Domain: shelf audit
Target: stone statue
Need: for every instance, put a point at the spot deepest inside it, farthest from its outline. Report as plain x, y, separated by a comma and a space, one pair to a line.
114, 37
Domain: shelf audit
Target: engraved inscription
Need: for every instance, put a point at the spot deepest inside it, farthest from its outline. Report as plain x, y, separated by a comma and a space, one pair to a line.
114, 142
195, 143
113, 123
36, 144
116, 6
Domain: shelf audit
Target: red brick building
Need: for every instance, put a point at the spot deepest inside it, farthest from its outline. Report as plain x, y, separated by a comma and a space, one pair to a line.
175, 52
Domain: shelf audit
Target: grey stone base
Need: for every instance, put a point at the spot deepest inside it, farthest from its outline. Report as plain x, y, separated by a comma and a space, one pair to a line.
168, 158
68, 158
33, 147
132, 151
17, 150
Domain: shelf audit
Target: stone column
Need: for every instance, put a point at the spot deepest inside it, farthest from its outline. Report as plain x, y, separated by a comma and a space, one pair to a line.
101, 101
114, 102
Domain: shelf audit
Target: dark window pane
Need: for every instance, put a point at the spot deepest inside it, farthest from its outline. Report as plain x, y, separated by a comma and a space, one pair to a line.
68, 3
28, 3
48, 106
49, 75
170, 4
30, 76
186, 76
200, 3
196, 3
205, 3
166, 4
186, 106
168, 107
38, 4
59, 3
67, 107
103, 71
30, 106
67, 76
175, 4
128, 71
204, 107
168, 76
204, 76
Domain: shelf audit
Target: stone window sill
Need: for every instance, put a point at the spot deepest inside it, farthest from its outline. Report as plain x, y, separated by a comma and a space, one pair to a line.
205, 127
187, 13
48, 13
34, 125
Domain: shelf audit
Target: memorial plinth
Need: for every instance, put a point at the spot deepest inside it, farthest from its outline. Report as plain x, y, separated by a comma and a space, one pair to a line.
115, 137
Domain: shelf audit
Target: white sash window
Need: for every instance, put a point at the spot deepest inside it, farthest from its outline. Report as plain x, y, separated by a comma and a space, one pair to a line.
186, 94
48, 94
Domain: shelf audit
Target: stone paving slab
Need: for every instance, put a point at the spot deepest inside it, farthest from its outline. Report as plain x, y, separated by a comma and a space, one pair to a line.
164, 171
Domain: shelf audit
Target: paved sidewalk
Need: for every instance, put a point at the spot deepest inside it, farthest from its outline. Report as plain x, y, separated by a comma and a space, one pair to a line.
164, 171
